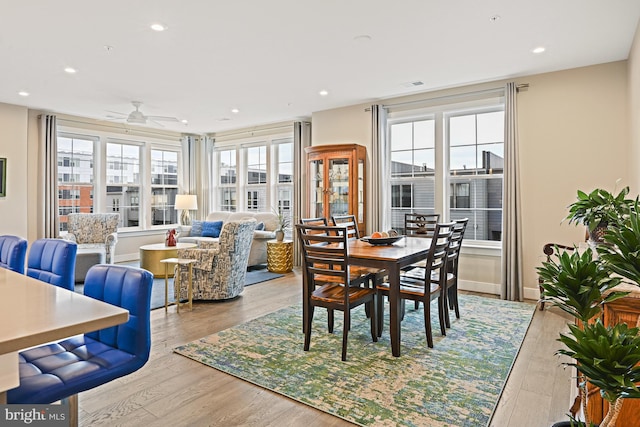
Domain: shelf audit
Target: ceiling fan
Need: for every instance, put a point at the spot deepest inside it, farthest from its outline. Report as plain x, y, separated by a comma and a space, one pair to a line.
136, 116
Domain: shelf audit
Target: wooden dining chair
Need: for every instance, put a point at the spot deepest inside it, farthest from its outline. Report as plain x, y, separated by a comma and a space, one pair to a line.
328, 280
419, 287
453, 256
349, 221
420, 224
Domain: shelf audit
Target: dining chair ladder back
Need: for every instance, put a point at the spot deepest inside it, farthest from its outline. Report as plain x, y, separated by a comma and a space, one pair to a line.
420, 224
420, 286
328, 281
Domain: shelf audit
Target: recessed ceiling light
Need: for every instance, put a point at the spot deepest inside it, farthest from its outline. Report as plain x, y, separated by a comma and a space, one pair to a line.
235, 110
158, 27
70, 70
364, 38
539, 49
185, 121
494, 18
323, 93
23, 93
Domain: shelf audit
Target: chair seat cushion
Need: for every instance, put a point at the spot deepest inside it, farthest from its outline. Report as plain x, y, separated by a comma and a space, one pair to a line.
55, 371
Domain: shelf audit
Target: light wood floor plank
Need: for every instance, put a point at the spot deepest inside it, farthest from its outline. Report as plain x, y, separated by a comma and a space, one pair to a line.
171, 390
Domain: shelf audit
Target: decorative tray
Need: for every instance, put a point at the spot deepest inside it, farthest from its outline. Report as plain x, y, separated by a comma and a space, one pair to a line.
382, 240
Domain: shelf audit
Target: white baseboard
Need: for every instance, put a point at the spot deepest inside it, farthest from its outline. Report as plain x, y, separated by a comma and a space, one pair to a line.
494, 288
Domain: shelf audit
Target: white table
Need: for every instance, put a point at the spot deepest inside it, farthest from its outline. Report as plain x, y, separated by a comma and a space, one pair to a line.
34, 313
176, 281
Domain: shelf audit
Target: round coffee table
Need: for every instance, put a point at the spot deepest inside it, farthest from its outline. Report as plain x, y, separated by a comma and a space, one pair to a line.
150, 256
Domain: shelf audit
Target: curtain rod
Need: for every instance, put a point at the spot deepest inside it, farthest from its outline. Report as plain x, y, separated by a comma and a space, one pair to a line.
253, 131
452, 96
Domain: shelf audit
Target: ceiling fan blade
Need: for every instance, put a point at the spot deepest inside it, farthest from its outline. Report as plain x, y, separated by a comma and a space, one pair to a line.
117, 112
163, 118
155, 122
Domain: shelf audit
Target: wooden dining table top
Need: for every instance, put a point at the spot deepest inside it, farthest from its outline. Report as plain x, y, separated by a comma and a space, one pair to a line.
407, 247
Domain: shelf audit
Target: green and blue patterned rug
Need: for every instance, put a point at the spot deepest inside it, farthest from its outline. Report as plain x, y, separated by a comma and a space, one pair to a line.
457, 383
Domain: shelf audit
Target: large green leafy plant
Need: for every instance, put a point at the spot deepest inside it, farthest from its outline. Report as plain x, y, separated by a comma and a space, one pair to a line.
600, 208
580, 284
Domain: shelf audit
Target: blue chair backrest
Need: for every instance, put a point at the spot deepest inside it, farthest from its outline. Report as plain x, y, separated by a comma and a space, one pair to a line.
53, 261
13, 251
129, 288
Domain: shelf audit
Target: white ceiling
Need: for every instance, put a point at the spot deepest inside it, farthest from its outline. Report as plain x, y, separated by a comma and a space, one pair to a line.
270, 58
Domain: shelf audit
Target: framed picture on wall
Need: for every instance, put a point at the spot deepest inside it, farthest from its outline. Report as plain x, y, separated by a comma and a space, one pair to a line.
3, 176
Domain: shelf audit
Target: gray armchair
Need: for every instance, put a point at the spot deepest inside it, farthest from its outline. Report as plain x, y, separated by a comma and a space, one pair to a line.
221, 268
96, 235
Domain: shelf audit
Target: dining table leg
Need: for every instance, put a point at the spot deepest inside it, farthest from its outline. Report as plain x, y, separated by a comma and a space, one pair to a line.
394, 309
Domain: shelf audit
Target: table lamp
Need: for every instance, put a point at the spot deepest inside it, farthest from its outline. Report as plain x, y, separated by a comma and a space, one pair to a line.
186, 203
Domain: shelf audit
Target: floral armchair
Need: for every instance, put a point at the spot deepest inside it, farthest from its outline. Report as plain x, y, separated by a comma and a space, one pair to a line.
94, 233
221, 267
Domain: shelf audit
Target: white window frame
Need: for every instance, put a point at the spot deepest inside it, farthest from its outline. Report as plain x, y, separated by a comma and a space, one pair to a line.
442, 184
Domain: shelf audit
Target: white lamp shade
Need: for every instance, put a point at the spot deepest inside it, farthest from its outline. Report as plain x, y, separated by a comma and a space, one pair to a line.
186, 202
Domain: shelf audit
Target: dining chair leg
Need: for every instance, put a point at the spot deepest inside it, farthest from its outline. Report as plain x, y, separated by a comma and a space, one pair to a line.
380, 313
345, 332
372, 310
416, 305
445, 309
330, 320
427, 324
443, 315
307, 328
454, 299
403, 308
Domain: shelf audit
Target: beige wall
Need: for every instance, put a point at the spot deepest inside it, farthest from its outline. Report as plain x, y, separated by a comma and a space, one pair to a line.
634, 112
13, 146
574, 134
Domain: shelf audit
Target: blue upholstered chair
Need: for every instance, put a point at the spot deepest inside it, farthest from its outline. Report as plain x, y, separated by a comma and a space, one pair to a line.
13, 250
61, 370
53, 261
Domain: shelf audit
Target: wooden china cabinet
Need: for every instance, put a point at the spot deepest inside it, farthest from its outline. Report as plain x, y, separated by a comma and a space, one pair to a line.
337, 182
625, 310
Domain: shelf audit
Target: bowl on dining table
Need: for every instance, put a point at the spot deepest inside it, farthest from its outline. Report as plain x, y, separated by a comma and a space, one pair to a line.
381, 240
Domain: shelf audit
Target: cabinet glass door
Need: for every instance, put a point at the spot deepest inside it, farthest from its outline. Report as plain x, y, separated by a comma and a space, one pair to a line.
316, 178
338, 187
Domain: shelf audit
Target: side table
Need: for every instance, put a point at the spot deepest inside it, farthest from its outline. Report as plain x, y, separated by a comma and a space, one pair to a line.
280, 256
176, 282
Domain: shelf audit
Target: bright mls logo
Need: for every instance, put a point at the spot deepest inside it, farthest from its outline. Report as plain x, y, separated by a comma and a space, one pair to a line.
34, 415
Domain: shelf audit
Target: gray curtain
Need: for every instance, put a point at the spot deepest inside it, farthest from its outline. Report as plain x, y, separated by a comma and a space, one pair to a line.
301, 140
48, 223
379, 219
512, 285
196, 154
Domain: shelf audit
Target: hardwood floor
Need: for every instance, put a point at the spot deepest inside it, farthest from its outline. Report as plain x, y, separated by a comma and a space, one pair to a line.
171, 390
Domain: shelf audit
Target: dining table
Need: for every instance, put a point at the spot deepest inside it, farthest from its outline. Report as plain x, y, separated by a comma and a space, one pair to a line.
392, 257
33, 312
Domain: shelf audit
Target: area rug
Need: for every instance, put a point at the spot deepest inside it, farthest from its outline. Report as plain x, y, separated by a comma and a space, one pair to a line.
457, 383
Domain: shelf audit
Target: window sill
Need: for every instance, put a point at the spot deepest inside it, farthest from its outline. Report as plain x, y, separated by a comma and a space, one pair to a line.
478, 249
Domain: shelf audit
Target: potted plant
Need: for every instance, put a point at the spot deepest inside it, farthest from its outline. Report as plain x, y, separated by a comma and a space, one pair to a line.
283, 224
599, 209
580, 284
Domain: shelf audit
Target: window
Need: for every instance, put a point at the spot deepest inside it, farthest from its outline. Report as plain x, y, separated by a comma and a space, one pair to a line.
284, 197
123, 181
462, 148
476, 167
257, 178
254, 174
227, 172
412, 169
164, 187
75, 176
